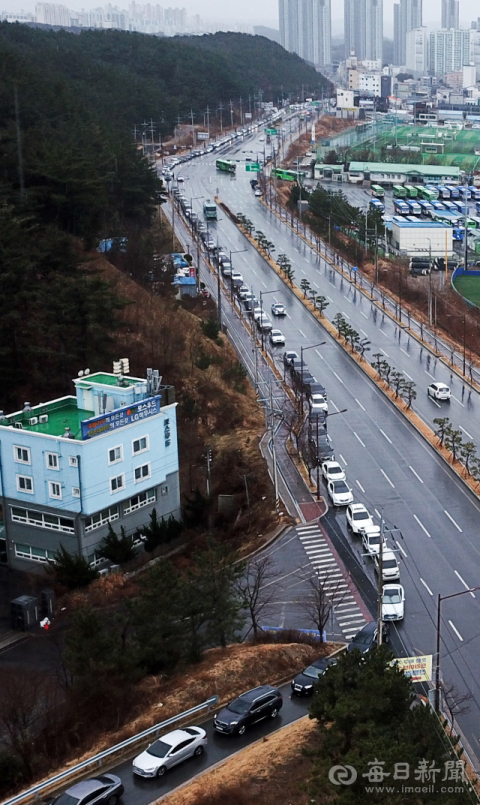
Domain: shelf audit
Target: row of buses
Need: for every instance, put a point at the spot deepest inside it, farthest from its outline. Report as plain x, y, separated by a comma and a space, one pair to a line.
429, 192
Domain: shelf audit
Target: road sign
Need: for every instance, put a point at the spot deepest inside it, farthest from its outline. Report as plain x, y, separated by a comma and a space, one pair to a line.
355, 268
271, 131
252, 166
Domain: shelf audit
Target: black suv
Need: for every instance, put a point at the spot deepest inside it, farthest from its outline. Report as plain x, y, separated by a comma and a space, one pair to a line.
252, 706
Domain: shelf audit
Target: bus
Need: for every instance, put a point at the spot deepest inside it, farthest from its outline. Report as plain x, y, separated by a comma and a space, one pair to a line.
460, 205
286, 175
399, 191
450, 206
438, 206
375, 204
428, 195
425, 207
410, 190
454, 192
443, 192
473, 222
474, 193
401, 207
377, 191
226, 165
210, 210
413, 219
433, 188
477, 207
414, 207
464, 193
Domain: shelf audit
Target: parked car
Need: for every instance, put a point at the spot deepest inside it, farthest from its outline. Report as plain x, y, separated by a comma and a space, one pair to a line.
106, 788
340, 494
277, 338
390, 566
332, 471
169, 750
358, 518
303, 683
244, 292
263, 323
439, 391
321, 448
371, 540
258, 192
393, 602
250, 707
278, 309
288, 357
226, 267
237, 279
366, 638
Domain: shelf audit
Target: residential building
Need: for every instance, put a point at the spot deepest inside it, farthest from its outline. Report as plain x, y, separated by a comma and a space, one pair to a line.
52, 14
476, 51
469, 75
363, 26
450, 14
306, 29
74, 465
370, 82
407, 15
417, 51
449, 51
385, 86
17, 16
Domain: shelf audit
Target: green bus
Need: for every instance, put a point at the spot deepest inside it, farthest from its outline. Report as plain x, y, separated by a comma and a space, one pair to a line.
226, 165
210, 210
428, 195
399, 191
411, 191
377, 191
288, 176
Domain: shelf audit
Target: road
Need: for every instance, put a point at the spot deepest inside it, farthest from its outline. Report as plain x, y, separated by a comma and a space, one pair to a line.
389, 466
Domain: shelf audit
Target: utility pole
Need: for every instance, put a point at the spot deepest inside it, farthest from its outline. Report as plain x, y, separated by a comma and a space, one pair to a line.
208, 120
208, 457
220, 109
193, 130
380, 583
231, 113
465, 237
240, 101
274, 455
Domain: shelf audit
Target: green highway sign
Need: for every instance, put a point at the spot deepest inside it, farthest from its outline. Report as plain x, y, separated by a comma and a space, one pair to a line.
271, 131
252, 166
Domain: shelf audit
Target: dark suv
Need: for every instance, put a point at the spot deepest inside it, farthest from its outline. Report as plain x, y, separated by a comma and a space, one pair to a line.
252, 706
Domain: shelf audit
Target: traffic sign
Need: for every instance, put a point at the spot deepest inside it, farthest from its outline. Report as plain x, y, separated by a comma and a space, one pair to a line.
271, 131
252, 166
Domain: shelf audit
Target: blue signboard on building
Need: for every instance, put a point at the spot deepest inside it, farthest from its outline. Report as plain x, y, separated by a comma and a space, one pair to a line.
121, 417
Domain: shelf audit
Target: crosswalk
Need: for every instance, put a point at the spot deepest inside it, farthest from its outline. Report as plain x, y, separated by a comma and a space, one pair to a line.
347, 612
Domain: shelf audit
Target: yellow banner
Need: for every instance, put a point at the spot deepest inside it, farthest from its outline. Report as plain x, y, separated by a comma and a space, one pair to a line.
419, 669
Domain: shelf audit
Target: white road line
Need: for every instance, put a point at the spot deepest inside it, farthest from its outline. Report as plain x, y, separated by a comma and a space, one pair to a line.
364, 314
319, 354
378, 514
384, 434
426, 586
401, 549
352, 622
404, 352
263, 283
466, 433
407, 375
360, 486
415, 474
334, 406
384, 353
456, 631
346, 608
453, 521
343, 460
301, 332
428, 373
339, 379
422, 526
360, 404
359, 439
330, 299
314, 283
254, 272
456, 398
363, 331
348, 300
435, 402
387, 478
464, 583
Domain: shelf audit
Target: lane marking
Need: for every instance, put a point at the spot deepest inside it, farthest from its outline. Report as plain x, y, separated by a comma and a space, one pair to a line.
464, 583
319, 354
345, 314
343, 460
334, 406
426, 586
387, 478
301, 332
407, 375
360, 404
466, 433
428, 373
456, 631
434, 402
378, 514
415, 474
384, 353
363, 331
456, 398
360, 486
404, 352
422, 526
339, 379
348, 300
358, 437
401, 549
263, 283
387, 438
453, 521
330, 299
364, 314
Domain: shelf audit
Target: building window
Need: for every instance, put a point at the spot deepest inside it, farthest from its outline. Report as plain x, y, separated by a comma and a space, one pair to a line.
101, 518
34, 554
117, 483
22, 455
164, 490
73, 461
52, 461
55, 490
140, 445
140, 473
115, 454
42, 520
25, 484
138, 501
75, 492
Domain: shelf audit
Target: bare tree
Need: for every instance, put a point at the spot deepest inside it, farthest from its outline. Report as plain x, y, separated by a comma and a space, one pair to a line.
456, 703
257, 590
319, 598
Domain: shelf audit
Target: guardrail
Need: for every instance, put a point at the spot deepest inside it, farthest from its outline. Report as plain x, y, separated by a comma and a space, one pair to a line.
37, 789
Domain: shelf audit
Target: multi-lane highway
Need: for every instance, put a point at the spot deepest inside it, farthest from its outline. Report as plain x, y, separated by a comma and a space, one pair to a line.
389, 466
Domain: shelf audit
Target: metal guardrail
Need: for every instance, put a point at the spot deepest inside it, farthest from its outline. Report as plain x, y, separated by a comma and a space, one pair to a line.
36, 789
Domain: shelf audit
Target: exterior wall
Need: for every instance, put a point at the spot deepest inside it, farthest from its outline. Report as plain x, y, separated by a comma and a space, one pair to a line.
417, 50
370, 82
363, 25
417, 241
407, 15
305, 28
450, 50
450, 14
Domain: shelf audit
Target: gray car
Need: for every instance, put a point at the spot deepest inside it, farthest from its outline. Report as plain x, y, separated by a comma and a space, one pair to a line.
104, 789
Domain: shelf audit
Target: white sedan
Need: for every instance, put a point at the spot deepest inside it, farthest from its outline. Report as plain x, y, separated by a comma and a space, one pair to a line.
340, 494
258, 193
277, 338
358, 518
393, 602
332, 471
439, 391
371, 539
169, 750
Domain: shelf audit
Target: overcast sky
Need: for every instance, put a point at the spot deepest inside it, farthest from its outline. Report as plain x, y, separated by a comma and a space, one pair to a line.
265, 13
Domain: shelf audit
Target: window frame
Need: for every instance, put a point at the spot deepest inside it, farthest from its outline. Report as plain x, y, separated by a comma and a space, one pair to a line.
119, 488
113, 514
116, 460
51, 494
17, 460
57, 459
142, 477
76, 492
150, 497
143, 449
26, 491
73, 461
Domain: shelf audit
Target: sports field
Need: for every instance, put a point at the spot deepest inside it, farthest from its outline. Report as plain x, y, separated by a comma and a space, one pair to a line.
438, 146
469, 288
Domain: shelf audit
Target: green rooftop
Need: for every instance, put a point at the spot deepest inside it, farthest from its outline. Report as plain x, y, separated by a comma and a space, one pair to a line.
400, 167
62, 414
104, 379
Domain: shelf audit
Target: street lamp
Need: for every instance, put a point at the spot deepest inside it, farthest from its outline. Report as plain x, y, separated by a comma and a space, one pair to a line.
262, 294
456, 315
302, 350
234, 251
441, 598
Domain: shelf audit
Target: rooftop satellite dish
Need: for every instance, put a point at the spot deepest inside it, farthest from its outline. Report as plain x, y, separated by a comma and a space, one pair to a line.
80, 374
87, 371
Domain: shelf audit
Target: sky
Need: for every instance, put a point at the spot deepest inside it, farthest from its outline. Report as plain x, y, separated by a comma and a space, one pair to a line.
251, 12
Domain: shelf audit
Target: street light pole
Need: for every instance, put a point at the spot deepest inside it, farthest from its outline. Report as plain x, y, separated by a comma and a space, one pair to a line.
441, 598
302, 350
234, 251
262, 294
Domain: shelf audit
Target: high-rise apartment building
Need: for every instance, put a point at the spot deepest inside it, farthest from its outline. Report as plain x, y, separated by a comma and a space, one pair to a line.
306, 29
417, 51
407, 15
450, 14
52, 14
363, 22
450, 50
